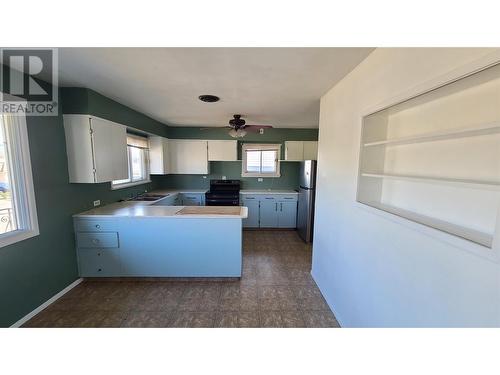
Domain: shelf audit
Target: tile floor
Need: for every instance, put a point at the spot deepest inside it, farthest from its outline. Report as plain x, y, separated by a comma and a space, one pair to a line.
276, 290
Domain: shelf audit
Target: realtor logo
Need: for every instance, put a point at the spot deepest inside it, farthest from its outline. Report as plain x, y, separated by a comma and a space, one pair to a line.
28, 81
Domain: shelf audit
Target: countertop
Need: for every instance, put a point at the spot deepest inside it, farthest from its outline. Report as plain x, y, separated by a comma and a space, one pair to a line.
146, 209
266, 191
177, 191
243, 191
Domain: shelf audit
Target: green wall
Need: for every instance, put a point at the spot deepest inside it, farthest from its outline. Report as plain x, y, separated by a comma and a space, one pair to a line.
33, 270
232, 170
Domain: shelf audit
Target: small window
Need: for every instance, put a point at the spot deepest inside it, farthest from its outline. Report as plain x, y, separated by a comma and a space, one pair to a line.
260, 160
138, 162
18, 218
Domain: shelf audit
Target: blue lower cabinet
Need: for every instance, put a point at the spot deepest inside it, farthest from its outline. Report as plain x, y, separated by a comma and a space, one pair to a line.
99, 262
189, 199
287, 214
167, 201
161, 247
268, 213
252, 221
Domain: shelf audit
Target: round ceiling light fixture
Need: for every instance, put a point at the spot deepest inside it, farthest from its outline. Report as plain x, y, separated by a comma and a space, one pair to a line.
209, 98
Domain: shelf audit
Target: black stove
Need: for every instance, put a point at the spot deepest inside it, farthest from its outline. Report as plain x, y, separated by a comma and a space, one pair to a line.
223, 193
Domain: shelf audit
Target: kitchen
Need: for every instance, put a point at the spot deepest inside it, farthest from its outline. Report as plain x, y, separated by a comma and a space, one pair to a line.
147, 205
191, 187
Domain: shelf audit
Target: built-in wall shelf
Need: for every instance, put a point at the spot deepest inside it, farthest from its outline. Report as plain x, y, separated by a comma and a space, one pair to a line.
476, 184
452, 185
481, 238
482, 129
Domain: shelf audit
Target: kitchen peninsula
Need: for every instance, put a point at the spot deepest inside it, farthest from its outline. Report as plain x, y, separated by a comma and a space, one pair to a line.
174, 241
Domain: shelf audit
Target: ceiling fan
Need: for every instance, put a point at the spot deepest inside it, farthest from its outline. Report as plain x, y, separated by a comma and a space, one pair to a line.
239, 128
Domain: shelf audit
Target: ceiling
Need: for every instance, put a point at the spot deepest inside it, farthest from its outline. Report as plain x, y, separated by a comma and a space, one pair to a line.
275, 86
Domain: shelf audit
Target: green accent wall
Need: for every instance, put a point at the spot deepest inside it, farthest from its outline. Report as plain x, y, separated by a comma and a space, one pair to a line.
232, 169
33, 270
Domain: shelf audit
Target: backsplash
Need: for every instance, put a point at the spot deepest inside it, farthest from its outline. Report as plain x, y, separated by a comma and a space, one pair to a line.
232, 170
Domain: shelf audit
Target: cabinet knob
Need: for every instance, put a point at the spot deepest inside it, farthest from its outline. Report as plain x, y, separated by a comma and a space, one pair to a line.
95, 240
98, 226
99, 270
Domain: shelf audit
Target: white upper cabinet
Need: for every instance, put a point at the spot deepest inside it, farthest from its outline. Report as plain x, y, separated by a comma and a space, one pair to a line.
310, 150
294, 150
96, 149
159, 157
222, 150
188, 156
301, 150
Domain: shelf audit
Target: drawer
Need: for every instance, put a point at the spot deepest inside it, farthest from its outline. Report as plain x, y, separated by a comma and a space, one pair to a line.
99, 263
268, 197
90, 225
249, 197
288, 197
97, 240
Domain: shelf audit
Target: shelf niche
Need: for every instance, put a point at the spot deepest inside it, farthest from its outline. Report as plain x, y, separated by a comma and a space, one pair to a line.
435, 159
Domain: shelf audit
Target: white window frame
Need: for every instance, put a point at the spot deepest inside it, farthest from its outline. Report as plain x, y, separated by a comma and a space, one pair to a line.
130, 182
260, 147
23, 192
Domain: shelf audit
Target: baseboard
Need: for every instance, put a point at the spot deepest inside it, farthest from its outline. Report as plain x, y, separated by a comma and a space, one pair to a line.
328, 302
47, 303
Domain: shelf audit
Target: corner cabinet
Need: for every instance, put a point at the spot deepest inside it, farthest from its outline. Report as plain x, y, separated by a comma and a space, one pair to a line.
301, 150
96, 149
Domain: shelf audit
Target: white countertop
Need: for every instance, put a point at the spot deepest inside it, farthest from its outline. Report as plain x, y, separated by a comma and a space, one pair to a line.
177, 191
243, 191
267, 191
145, 209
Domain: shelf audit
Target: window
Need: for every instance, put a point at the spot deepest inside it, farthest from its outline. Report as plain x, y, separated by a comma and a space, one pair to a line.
18, 218
138, 162
260, 160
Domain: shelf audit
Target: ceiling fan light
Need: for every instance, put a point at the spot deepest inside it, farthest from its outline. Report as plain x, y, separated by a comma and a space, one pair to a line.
241, 133
233, 133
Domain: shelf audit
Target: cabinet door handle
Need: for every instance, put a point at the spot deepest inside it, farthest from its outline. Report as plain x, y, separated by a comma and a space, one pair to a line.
281, 206
95, 240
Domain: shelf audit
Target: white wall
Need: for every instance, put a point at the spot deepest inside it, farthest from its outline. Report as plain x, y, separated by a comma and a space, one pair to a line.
375, 271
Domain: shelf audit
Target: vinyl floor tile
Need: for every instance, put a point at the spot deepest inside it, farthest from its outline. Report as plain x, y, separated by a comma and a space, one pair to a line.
276, 290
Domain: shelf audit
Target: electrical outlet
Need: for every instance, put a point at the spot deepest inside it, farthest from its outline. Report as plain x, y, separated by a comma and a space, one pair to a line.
224, 177
261, 131
260, 179
97, 203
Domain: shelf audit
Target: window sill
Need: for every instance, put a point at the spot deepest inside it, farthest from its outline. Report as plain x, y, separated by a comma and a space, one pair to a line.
258, 175
10, 238
129, 184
